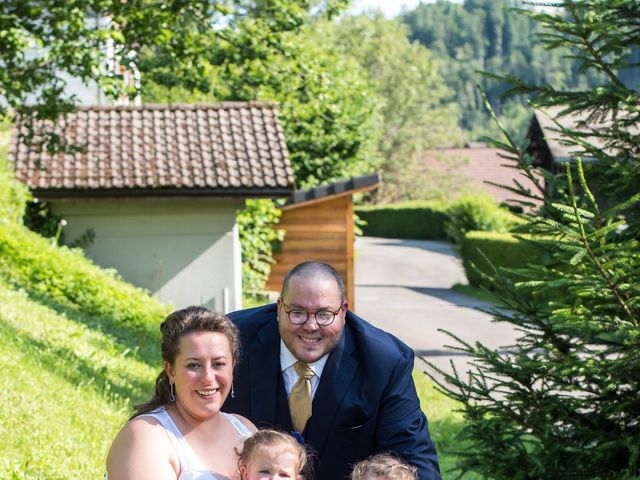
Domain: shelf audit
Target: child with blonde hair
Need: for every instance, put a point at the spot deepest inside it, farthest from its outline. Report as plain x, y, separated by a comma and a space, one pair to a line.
272, 455
383, 466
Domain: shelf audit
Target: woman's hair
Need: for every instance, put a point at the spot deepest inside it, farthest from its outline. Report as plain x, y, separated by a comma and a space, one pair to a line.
267, 439
175, 326
385, 466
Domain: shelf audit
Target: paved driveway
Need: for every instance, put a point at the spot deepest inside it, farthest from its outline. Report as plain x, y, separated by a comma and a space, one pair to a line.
403, 287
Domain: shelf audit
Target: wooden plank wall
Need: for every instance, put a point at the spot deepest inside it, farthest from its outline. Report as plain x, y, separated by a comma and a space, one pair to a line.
320, 230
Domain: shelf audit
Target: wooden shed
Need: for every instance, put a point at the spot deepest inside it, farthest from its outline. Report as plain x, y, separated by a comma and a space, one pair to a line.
319, 226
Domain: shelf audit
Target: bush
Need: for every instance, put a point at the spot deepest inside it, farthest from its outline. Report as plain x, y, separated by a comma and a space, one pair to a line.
13, 197
423, 220
502, 250
258, 240
477, 212
13, 194
66, 280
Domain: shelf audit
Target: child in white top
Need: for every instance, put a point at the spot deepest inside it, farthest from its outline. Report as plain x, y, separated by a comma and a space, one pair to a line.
272, 455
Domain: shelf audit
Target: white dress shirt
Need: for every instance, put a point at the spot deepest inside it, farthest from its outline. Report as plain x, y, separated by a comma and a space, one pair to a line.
289, 374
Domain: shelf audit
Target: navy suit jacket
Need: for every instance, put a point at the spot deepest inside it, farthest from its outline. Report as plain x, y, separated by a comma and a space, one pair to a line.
366, 401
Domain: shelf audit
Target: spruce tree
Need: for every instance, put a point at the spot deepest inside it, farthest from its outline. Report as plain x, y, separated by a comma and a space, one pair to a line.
564, 401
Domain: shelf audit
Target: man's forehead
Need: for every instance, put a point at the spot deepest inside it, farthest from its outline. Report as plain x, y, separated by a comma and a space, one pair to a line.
315, 282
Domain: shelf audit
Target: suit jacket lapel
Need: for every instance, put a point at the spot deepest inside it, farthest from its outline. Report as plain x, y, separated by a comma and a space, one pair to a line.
264, 368
336, 379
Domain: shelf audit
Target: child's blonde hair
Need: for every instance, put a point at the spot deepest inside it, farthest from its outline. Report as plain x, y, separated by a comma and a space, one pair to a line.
268, 438
385, 466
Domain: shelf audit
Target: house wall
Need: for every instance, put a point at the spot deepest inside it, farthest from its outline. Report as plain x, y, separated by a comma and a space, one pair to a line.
185, 251
321, 230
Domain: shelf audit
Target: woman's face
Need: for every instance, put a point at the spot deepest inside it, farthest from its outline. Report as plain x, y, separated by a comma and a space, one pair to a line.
203, 373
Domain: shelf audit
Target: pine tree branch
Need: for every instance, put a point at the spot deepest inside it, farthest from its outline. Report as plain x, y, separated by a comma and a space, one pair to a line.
585, 241
583, 34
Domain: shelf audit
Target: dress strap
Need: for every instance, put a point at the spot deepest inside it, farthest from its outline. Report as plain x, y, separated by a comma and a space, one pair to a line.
184, 452
240, 427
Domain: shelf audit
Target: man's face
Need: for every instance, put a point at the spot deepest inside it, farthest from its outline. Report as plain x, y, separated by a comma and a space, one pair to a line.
309, 342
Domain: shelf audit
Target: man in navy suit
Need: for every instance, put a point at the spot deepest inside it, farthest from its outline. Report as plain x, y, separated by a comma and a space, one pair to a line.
364, 399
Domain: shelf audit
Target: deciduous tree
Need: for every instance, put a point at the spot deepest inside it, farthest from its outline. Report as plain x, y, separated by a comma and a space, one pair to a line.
415, 107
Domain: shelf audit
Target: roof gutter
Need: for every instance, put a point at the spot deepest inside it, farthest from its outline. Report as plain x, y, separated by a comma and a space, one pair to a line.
49, 193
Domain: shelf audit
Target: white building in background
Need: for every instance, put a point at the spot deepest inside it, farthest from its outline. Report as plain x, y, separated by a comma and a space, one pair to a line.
160, 186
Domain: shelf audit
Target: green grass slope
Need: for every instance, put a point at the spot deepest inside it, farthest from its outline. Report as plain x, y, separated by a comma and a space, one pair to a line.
66, 391
78, 347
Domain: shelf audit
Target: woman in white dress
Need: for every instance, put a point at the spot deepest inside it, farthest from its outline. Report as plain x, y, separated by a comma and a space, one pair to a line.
181, 433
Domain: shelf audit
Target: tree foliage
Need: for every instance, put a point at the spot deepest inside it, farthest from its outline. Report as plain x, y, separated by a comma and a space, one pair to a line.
489, 36
326, 107
198, 50
111, 43
563, 401
414, 103
44, 41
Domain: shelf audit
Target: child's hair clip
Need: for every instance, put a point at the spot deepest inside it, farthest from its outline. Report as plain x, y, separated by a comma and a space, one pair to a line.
298, 437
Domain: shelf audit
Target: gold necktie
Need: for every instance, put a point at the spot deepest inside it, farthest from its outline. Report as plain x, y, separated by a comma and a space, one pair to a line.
300, 397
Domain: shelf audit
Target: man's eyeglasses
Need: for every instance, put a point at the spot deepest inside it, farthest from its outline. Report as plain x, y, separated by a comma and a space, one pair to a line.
297, 316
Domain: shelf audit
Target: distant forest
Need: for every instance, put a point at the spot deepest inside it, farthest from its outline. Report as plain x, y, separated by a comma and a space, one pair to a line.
488, 35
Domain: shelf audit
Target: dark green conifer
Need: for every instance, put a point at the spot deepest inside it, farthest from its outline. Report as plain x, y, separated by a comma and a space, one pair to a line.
564, 402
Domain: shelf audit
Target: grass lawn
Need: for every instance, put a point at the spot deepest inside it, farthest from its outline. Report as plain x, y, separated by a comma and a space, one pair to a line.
444, 424
67, 390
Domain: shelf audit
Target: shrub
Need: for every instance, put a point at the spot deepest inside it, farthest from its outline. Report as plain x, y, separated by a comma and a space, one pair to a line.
424, 220
258, 239
65, 279
477, 212
13, 194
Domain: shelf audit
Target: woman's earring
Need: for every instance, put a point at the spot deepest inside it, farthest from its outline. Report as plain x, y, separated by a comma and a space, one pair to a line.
233, 392
172, 397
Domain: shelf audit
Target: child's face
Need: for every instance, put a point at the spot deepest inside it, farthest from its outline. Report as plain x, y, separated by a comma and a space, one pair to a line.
271, 464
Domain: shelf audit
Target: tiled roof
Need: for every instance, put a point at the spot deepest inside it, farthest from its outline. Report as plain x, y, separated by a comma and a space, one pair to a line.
230, 148
472, 167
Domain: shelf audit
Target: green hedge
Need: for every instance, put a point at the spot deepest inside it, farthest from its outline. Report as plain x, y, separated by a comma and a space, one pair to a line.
502, 250
423, 220
480, 213
66, 280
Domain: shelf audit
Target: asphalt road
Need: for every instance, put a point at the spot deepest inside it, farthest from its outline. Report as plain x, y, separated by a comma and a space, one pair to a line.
404, 287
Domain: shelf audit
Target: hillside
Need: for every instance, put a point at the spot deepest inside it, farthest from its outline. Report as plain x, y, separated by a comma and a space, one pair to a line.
78, 346
489, 35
